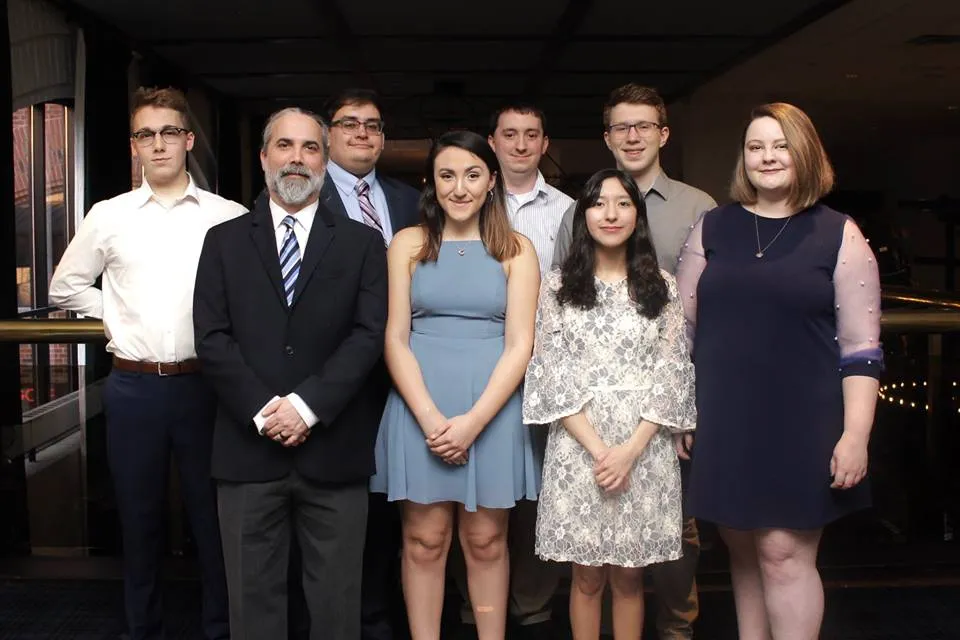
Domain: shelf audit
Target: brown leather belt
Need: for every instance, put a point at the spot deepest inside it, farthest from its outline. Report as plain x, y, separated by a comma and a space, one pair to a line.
158, 368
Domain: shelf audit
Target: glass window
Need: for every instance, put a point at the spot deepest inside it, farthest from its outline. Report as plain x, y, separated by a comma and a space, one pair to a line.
43, 182
62, 357
23, 204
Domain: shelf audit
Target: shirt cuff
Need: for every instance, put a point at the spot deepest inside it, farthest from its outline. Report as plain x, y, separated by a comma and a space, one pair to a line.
306, 414
260, 420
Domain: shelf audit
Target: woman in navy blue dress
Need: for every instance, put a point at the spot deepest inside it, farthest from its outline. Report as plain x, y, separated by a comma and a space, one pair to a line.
783, 297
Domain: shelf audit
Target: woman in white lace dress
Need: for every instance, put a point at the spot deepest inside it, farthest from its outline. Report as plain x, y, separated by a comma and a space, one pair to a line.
612, 377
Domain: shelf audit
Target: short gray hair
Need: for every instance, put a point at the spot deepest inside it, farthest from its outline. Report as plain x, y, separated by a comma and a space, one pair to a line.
272, 120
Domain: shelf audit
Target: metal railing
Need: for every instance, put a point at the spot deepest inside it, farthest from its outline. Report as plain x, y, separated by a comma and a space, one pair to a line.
940, 315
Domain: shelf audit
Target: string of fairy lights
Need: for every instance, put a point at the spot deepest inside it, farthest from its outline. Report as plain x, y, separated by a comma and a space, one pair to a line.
910, 394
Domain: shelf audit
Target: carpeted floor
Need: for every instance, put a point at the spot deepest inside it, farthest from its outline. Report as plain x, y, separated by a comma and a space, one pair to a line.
92, 610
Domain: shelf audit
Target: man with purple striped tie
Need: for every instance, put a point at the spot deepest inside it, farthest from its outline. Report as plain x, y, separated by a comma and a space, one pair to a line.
356, 189
289, 315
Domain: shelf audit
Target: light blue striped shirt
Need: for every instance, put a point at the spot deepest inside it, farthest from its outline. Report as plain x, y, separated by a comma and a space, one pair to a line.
346, 184
537, 215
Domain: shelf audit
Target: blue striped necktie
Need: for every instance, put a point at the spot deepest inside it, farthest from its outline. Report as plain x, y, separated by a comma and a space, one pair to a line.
289, 259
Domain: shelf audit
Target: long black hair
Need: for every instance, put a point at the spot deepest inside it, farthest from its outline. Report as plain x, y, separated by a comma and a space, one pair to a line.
645, 283
495, 231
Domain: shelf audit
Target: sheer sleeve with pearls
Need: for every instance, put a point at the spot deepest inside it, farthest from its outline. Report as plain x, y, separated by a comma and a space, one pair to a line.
856, 285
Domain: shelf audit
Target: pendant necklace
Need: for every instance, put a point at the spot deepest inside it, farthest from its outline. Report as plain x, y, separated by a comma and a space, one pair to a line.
756, 227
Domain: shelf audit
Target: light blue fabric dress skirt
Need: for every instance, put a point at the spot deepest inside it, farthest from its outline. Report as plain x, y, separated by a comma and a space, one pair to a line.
457, 336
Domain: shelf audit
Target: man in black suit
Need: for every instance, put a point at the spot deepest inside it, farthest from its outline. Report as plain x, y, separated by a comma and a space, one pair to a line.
355, 189
289, 312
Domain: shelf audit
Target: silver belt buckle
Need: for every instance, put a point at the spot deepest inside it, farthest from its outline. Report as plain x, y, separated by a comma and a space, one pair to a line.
160, 370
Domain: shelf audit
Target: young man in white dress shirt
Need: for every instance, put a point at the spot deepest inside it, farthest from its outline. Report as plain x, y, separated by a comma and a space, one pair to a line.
146, 244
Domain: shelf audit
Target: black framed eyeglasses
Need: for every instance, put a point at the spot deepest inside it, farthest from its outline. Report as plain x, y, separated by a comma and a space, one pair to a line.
352, 126
170, 135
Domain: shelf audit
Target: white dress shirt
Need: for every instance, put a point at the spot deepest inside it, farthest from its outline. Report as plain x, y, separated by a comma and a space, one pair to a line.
147, 253
537, 215
301, 228
346, 184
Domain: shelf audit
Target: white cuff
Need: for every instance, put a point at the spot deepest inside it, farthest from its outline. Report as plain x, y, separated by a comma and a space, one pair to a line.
306, 414
260, 420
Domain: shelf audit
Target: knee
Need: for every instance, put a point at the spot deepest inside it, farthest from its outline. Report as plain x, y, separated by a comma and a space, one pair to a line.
426, 546
625, 582
782, 562
589, 580
484, 546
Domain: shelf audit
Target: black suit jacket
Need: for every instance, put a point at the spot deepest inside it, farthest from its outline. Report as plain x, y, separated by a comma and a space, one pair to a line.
324, 347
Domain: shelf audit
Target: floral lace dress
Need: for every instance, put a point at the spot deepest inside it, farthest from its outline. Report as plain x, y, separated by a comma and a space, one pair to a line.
619, 368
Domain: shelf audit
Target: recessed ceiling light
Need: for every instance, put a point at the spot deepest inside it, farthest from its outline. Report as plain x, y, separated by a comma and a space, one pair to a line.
853, 76
953, 107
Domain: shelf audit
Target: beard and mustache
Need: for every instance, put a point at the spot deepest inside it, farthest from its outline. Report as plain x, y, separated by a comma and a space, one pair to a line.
293, 190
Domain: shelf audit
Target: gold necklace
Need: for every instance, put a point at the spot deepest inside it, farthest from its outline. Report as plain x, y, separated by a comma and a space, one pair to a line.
756, 227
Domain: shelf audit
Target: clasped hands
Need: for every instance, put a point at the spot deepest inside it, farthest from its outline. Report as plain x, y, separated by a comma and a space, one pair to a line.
284, 424
450, 440
612, 465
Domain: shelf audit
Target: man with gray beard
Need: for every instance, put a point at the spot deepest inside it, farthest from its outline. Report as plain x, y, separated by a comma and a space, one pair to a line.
289, 314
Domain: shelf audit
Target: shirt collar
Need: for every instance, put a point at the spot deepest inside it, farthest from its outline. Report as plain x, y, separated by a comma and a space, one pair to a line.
661, 185
345, 181
304, 216
540, 186
145, 193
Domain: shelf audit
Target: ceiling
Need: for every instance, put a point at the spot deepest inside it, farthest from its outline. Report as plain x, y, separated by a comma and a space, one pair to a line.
440, 64
870, 67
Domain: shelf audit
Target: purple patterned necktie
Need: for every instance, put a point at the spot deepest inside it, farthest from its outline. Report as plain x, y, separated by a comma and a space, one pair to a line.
370, 217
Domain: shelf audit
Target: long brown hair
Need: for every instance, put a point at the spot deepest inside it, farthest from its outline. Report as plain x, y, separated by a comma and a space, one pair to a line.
814, 174
498, 238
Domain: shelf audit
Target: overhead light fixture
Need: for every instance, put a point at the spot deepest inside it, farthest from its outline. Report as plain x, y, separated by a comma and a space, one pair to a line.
852, 76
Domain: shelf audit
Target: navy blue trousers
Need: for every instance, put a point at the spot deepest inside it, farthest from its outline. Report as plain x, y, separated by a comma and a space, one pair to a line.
150, 417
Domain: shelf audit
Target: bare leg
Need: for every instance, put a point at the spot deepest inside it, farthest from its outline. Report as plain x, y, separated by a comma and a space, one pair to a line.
627, 587
747, 582
792, 588
586, 595
483, 538
427, 531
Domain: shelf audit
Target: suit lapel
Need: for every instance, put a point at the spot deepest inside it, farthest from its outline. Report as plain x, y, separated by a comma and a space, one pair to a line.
394, 206
264, 238
321, 235
330, 198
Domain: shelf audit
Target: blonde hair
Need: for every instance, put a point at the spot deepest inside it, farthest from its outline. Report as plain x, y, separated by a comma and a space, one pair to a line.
814, 173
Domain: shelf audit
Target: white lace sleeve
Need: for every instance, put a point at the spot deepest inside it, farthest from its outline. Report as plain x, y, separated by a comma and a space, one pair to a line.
671, 399
690, 266
856, 286
552, 388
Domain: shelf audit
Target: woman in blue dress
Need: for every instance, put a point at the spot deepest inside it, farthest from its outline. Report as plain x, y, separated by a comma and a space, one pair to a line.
452, 444
784, 296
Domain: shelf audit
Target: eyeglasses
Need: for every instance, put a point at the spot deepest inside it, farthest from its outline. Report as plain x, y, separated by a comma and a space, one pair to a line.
644, 128
170, 135
352, 126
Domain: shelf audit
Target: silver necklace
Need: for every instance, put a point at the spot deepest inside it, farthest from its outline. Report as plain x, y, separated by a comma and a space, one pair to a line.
756, 226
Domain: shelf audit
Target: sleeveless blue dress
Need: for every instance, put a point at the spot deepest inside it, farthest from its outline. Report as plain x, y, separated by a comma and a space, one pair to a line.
458, 308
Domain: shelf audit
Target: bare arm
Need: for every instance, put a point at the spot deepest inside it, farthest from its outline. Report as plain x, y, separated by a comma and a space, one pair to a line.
403, 365
580, 428
523, 284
